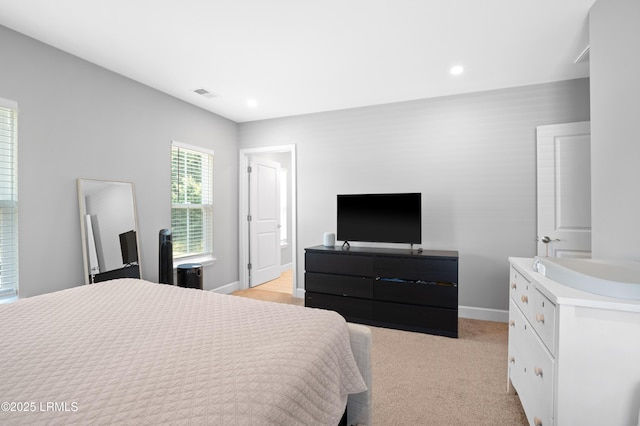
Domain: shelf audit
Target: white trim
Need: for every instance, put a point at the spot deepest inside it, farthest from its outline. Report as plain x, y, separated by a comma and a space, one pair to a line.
8, 299
243, 211
483, 314
192, 147
206, 260
11, 294
227, 288
286, 267
6, 103
205, 257
277, 148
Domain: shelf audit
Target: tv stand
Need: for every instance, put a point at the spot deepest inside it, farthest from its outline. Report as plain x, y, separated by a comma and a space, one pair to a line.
396, 288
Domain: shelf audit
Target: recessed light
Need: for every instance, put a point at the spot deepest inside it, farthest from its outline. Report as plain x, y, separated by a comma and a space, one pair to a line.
456, 70
252, 103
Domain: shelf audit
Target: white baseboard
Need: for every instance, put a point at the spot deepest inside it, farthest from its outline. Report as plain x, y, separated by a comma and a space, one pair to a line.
228, 288
286, 267
484, 314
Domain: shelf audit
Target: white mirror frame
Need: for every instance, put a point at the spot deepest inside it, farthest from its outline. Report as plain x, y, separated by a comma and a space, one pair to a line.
90, 256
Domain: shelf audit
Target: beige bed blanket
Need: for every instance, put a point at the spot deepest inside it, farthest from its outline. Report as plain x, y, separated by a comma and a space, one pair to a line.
134, 352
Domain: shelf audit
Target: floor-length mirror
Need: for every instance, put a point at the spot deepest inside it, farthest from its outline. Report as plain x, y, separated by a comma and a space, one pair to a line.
109, 230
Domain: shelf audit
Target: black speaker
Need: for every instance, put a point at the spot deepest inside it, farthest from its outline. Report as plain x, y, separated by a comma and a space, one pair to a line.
165, 261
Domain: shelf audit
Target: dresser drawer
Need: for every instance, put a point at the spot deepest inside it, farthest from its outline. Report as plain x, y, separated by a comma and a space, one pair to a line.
340, 285
516, 351
417, 269
350, 308
417, 317
538, 381
521, 290
543, 319
340, 264
441, 296
530, 368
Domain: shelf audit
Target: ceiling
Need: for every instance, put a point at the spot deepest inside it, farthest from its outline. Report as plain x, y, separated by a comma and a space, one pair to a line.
296, 57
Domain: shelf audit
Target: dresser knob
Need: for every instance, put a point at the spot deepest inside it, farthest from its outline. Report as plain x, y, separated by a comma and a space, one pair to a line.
537, 421
512, 359
524, 299
512, 323
540, 318
514, 286
538, 371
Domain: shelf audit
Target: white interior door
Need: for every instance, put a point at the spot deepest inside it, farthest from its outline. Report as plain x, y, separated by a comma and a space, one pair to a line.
564, 190
264, 224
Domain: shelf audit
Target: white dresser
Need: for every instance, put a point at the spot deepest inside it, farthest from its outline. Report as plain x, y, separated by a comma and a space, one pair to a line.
574, 356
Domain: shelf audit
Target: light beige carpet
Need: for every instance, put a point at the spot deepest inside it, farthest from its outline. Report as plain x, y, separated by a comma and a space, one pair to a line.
420, 379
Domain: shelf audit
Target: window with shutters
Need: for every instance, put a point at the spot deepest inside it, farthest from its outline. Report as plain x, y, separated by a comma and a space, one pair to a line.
8, 199
191, 201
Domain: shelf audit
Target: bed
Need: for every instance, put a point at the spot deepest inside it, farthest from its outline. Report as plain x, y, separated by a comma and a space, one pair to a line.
129, 351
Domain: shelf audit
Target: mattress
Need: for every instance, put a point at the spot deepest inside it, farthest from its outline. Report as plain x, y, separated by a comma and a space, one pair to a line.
129, 351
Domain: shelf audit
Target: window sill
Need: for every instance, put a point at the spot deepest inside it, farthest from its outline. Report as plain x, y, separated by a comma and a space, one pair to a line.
8, 299
203, 260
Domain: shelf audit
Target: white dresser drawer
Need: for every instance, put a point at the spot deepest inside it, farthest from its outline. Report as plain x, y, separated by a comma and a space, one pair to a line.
520, 290
543, 319
516, 352
538, 381
531, 369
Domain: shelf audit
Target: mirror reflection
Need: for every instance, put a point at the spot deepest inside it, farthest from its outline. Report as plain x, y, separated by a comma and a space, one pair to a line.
109, 230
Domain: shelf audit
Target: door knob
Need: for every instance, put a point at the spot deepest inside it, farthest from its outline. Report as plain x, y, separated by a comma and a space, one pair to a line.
546, 239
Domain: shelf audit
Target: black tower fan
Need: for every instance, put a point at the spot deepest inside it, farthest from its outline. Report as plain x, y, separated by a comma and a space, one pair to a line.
165, 275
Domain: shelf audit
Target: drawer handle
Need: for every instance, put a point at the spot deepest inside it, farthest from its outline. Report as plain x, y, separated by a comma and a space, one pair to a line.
512, 323
537, 421
512, 359
540, 318
538, 371
524, 299
514, 286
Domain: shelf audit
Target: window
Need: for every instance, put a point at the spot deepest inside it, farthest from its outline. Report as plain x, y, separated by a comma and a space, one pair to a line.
191, 201
8, 199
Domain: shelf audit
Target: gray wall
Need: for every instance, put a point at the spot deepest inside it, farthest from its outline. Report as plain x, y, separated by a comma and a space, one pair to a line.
471, 156
614, 32
80, 120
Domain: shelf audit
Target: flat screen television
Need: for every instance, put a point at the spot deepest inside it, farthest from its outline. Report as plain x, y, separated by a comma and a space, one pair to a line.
381, 218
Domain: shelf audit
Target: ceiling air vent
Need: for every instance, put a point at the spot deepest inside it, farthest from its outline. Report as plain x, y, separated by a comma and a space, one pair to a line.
205, 93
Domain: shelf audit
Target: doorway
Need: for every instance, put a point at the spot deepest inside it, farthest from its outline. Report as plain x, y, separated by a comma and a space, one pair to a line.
287, 156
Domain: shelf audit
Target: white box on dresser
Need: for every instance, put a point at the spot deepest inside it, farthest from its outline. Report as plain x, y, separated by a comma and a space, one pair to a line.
573, 357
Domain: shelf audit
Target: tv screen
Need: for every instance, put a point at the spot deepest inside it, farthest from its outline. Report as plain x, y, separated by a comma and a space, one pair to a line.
383, 218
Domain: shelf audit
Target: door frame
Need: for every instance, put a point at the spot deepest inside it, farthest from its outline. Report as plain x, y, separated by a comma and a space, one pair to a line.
243, 201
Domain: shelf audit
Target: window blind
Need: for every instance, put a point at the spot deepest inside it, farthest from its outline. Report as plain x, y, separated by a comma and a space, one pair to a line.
192, 201
8, 200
